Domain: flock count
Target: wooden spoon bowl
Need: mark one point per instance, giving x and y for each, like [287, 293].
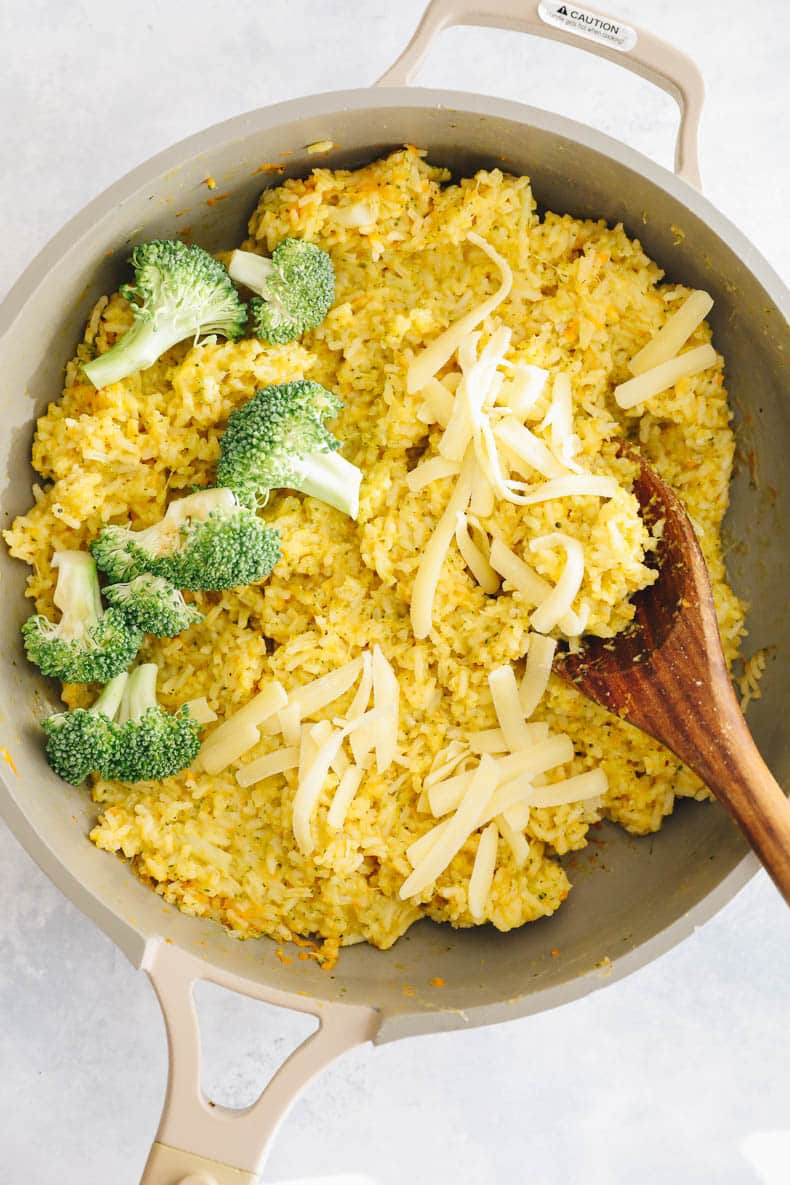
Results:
[666, 674]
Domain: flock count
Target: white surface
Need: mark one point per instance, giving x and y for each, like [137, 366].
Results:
[677, 1076]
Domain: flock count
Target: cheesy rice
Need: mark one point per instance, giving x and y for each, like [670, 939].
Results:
[585, 298]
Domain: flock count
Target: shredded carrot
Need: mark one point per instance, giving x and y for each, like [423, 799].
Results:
[268, 168]
[8, 759]
[438, 982]
[283, 957]
[210, 182]
[554, 952]
[212, 201]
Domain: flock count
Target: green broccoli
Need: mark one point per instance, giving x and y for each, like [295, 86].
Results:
[150, 743]
[296, 288]
[154, 605]
[88, 644]
[179, 291]
[81, 741]
[206, 540]
[278, 440]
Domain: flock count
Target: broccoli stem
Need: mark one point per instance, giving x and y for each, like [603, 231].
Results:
[138, 349]
[251, 270]
[332, 479]
[110, 699]
[140, 693]
[76, 593]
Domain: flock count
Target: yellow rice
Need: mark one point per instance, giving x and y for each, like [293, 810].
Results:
[584, 300]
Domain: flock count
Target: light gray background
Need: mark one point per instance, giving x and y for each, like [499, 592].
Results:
[678, 1076]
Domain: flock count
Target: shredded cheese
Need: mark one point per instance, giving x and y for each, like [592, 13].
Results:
[455, 835]
[674, 334]
[592, 784]
[260, 709]
[474, 558]
[507, 705]
[441, 349]
[517, 816]
[266, 767]
[312, 697]
[528, 448]
[483, 872]
[344, 796]
[521, 393]
[526, 581]
[290, 721]
[665, 375]
[433, 556]
[199, 710]
[540, 656]
[482, 501]
[218, 755]
[514, 839]
[313, 774]
[445, 762]
[541, 756]
[438, 403]
[579, 485]
[386, 698]
[429, 471]
[560, 419]
[359, 703]
[551, 610]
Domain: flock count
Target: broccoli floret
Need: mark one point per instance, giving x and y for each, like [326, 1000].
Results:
[206, 540]
[81, 741]
[179, 291]
[150, 743]
[278, 440]
[296, 288]
[154, 605]
[88, 644]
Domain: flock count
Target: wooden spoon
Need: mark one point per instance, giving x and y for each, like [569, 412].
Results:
[667, 675]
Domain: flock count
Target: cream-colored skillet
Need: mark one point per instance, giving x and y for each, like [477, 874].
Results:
[649, 895]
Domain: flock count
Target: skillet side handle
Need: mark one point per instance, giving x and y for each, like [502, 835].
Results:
[607, 36]
[199, 1143]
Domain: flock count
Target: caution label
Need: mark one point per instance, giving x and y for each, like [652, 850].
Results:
[591, 25]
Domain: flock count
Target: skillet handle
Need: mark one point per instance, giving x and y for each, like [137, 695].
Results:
[201, 1144]
[606, 36]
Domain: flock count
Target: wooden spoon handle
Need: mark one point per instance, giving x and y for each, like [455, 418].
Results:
[735, 772]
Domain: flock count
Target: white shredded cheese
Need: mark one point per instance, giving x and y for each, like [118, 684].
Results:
[514, 839]
[591, 784]
[517, 816]
[524, 766]
[386, 698]
[438, 403]
[199, 710]
[445, 761]
[455, 835]
[433, 556]
[344, 796]
[359, 703]
[523, 390]
[290, 720]
[312, 776]
[665, 375]
[674, 334]
[551, 610]
[507, 705]
[560, 419]
[429, 471]
[435, 355]
[266, 767]
[571, 486]
[314, 696]
[528, 448]
[483, 872]
[218, 755]
[482, 501]
[473, 557]
[260, 709]
[540, 656]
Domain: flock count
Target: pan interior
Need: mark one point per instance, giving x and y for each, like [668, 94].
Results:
[629, 890]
